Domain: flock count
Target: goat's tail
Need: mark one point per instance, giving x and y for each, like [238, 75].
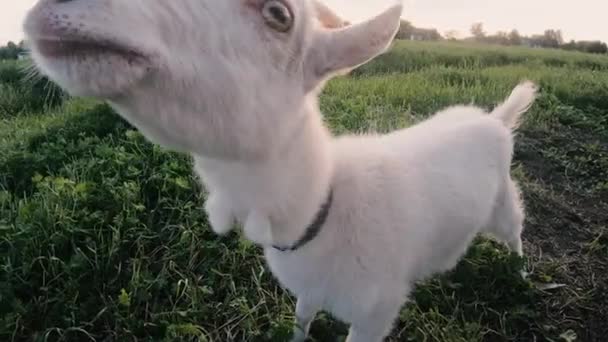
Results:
[520, 100]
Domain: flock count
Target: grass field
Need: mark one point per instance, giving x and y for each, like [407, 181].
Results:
[102, 235]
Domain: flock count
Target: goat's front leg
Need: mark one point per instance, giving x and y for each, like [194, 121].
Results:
[377, 323]
[258, 228]
[376, 331]
[220, 213]
[306, 311]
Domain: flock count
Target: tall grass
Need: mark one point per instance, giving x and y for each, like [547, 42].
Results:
[23, 90]
[411, 56]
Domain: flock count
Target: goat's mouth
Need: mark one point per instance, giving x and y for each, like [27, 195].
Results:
[67, 49]
[91, 67]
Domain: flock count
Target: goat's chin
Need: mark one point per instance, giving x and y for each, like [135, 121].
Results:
[104, 75]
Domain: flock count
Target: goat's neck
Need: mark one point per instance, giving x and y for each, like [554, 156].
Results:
[288, 187]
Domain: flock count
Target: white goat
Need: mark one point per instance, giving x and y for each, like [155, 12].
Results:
[348, 223]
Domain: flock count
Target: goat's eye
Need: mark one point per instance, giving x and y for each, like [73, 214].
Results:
[277, 15]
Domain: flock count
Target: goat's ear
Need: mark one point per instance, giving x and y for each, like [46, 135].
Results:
[328, 18]
[338, 50]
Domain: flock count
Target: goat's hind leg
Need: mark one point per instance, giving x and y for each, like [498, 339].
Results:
[508, 219]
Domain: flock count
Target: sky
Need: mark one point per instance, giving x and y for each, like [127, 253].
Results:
[581, 19]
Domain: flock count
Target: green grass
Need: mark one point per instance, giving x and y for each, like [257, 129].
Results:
[23, 91]
[103, 236]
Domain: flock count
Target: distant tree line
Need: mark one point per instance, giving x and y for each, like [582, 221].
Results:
[549, 39]
[586, 46]
[12, 50]
[407, 31]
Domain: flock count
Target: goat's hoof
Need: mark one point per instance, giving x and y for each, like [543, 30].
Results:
[298, 336]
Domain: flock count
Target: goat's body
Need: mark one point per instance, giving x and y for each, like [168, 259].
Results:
[406, 205]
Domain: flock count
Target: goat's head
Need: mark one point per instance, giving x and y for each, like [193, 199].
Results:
[222, 78]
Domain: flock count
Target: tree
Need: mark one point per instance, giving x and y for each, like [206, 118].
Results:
[451, 35]
[570, 46]
[553, 38]
[477, 31]
[500, 38]
[597, 47]
[10, 51]
[406, 29]
[430, 34]
[515, 38]
[590, 46]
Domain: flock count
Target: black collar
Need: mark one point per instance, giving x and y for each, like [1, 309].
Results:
[314, 228]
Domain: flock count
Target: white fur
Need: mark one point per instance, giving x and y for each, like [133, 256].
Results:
[327, 17]
[212, 79]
